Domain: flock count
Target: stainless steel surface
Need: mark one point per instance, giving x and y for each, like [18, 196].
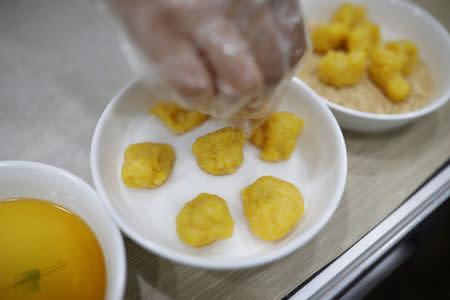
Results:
[355, 261]
[376, 276]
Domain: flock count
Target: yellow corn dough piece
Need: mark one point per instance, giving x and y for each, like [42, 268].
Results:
[220, 152]
[277, 136]
[350, 15]
[385, 70]
[272, 207]
[177, 118]
[342, 69]
[147, 165]
[204, 220]
[328, 36]
[364, 37]
[408, 50]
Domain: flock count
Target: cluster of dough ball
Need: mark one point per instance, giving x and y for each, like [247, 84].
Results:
[271, 205]
[389, 66]
[350, 30]
[334, 35]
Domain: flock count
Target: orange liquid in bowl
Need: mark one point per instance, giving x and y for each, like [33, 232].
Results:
[48, 252]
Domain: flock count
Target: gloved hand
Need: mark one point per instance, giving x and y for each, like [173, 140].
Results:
[221, 57]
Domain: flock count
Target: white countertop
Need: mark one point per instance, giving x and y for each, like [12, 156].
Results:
[60, 65]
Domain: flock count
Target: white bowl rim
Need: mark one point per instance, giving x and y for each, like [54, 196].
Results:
[118, 290]
[438, 27]
[185, 259]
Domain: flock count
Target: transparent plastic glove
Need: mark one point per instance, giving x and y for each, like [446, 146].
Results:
[226, 58]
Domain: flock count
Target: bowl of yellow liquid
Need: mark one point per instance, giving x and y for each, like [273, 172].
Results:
[56, 240]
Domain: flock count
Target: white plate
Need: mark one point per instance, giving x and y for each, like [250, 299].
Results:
[318, 167]
[397, 19]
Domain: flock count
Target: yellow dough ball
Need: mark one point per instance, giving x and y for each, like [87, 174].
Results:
[147, 165]
[272, 207]
[350, 15]
[364, 37]
[177, 118]
[220, 152]
[385, 70]
[204, 220]
[328, 36]
[277, 136]
[342, 69]
[409, 52]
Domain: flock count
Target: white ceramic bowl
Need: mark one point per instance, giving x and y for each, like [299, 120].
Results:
[317, 167]
[397, 19]
[36, 180]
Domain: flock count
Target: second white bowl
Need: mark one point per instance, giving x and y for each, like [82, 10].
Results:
[397, 19]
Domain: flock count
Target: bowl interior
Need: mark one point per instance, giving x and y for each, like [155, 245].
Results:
[35, 180]
[399, 19]
[317, 167]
